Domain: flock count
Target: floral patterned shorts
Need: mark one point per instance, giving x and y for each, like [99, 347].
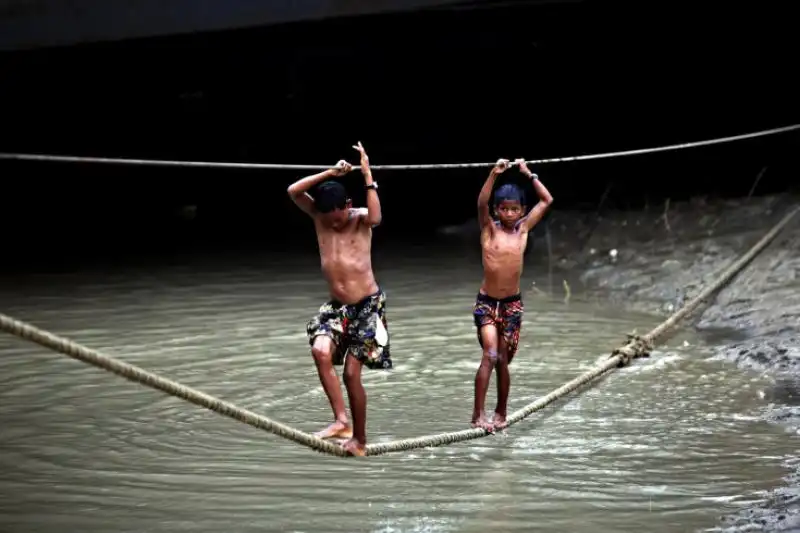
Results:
[359, 329]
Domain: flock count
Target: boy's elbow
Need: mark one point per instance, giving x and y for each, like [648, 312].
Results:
[294, 193]
[373, 217]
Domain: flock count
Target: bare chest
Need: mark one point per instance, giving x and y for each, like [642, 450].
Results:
[502, 244]
[350, 241]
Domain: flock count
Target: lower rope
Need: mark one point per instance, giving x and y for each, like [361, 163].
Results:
[134, 373]
[637, 346]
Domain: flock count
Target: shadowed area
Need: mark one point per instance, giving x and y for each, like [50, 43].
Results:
[446, 86]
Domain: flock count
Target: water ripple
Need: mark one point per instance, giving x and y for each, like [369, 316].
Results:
[83, 450]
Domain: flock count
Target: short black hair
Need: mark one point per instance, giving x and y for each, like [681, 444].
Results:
[330, 196]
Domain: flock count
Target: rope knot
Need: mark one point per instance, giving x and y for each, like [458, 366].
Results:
[636, 347]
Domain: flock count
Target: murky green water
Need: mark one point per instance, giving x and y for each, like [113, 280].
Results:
[666, 445]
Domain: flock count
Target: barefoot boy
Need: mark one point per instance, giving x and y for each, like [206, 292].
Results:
[498, 308]
[350, 329]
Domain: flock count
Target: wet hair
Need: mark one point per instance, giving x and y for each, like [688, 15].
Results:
[330, 196]
[509, 193]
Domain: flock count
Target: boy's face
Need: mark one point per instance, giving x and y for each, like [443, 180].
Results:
[509, 212]
[337, 218]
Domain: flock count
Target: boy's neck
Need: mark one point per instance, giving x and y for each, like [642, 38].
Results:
[509, 229]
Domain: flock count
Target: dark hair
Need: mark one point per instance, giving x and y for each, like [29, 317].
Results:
[509, 192]
[329, 196]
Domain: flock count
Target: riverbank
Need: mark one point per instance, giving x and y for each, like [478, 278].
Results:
[655, 259]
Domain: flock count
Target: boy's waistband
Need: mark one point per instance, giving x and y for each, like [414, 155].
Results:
[490, 300]
[361, 303]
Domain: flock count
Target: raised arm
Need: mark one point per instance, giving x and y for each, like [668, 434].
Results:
[373, 214]
[545, 198]
[298, 191]
[484, 217]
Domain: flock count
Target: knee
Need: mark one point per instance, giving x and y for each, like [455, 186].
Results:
[490, 356]
[504, 355]
[352, 374]
[321, 354]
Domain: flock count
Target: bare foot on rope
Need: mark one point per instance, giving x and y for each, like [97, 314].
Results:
[337, 430]
[481, 422]
[356, 448]
[499, 421]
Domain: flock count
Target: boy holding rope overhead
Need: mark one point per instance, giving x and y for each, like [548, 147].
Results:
[498, 309]
[350, 329]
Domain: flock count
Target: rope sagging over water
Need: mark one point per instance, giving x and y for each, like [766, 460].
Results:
[637, 346]
[173, 388]
[434, 166]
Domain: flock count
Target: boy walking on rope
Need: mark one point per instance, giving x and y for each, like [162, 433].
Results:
[350, 329]
[498, 308]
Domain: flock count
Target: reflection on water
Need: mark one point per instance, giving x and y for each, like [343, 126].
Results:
[665, 445]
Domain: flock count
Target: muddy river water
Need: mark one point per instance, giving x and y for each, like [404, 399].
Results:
[668, 444]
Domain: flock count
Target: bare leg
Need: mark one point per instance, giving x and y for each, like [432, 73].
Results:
[323, 350]
[503, 386]
[358, 405]
[489, 338]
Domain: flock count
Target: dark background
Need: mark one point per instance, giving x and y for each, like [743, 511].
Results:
[551, 80]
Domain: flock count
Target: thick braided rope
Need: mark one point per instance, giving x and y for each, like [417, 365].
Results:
[134, 373]
[726, 276]
[636, 347]
[434, 166]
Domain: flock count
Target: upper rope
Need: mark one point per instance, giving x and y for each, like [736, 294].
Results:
[436, 166]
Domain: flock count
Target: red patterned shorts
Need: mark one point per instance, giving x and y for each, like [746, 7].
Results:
[505, 314]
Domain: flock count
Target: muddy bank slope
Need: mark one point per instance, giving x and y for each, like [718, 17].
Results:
[655, 259]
